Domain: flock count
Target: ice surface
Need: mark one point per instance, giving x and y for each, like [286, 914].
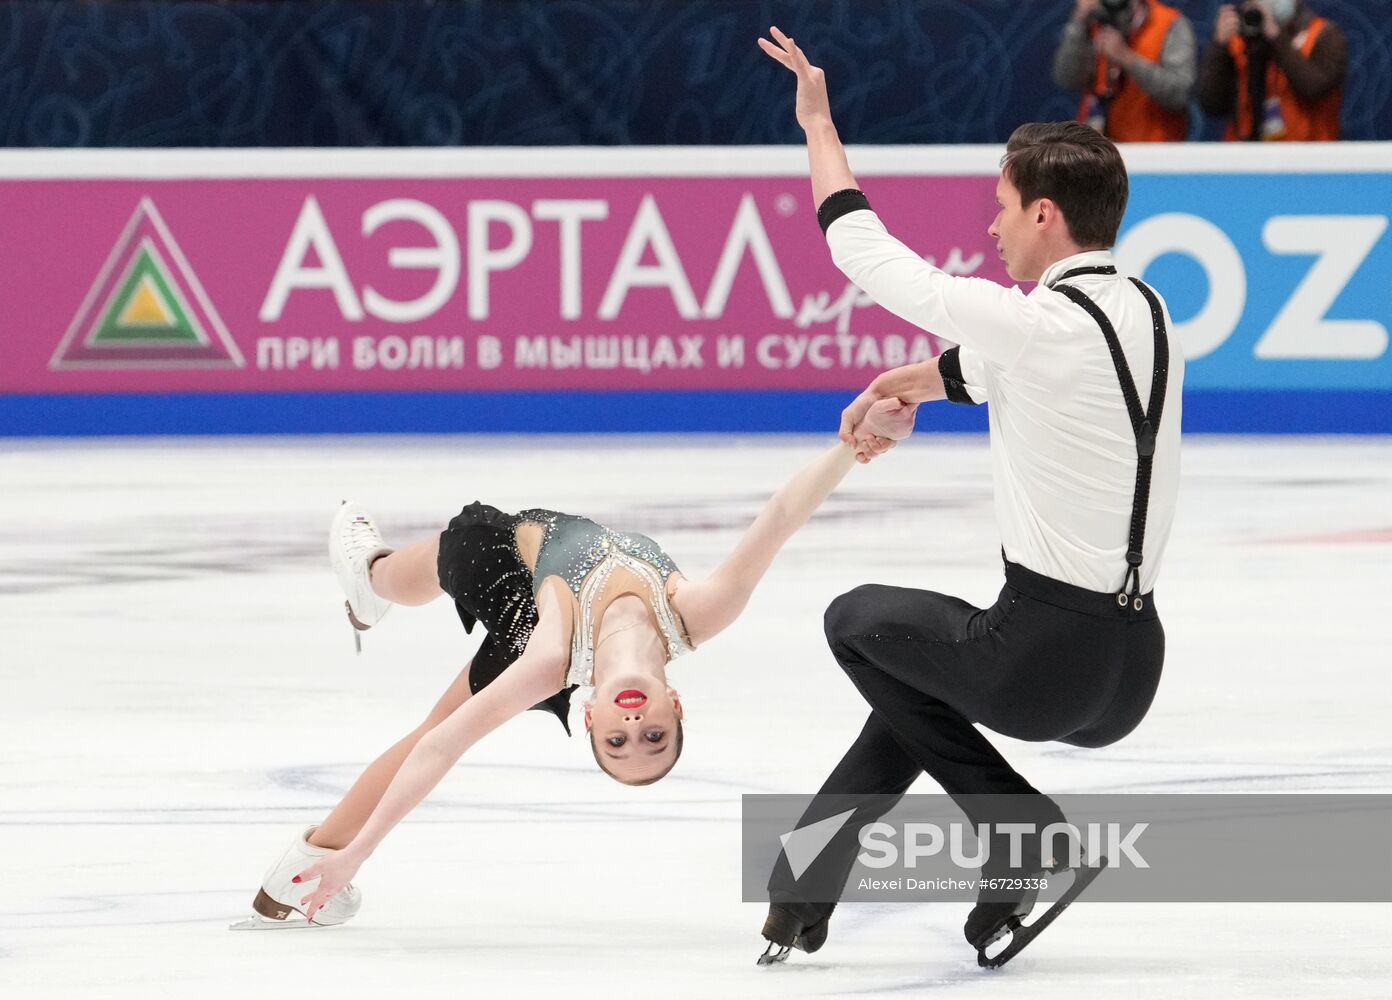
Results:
[179, 697]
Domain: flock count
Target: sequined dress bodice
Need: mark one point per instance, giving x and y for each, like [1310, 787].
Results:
[584, 554]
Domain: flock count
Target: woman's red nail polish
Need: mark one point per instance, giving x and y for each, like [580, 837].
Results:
[295, 879]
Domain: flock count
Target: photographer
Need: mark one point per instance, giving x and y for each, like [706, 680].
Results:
[1275, 71]
[1134, 61]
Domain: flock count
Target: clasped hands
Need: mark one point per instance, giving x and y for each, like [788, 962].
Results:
[873, 424]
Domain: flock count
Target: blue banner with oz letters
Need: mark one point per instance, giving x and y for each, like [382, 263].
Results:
[1280, 286]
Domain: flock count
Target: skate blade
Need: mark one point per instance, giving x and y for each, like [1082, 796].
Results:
[256, 922]
[1022, 934]
[358, 627]
[771, 957]
[270, 915]
[1006, 929]
[353, 619]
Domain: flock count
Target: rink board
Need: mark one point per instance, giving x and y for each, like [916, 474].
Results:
[274, 291]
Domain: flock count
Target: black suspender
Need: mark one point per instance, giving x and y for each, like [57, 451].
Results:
[1144, 423]
[1103, 269]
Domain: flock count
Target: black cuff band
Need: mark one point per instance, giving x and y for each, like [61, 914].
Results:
[950, 368]
[840, 203]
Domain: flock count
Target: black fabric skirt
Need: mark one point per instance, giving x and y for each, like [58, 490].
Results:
[480, 568]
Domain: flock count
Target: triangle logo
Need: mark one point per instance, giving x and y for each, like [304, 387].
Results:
[802, 846]
[146, 308]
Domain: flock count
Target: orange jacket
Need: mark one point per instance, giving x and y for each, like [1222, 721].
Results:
[1133, 115]
[1305, 121]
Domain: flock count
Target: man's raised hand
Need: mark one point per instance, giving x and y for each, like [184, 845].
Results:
[813, 108]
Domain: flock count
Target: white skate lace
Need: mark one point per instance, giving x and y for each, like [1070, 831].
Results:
[362, 537]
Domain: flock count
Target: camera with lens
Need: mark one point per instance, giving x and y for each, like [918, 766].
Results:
[1250, 21]
[1113, 13]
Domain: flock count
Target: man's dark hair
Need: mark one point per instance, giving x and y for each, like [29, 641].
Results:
[1075, 167]
[676, 756]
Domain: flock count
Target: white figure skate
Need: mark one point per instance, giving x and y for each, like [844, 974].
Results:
[279, 897]
[354, 542]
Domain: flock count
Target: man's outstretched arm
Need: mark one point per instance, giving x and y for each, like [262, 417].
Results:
[994, 320]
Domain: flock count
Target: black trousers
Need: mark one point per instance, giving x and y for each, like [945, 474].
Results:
[1048, 661]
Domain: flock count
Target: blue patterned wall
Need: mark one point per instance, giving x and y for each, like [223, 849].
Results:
[490, 72]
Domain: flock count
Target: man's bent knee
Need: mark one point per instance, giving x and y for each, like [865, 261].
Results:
[852, 614]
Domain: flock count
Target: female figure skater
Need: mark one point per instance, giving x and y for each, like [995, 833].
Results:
[567, 603]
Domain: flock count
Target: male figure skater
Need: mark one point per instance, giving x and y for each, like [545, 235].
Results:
[1083, 381]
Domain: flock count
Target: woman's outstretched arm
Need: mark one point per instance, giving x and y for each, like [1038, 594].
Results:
[708, 606]
[535, 676]
[348, 817]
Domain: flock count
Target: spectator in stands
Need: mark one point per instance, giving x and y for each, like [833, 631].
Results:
[1135, 62]
[1280, 57]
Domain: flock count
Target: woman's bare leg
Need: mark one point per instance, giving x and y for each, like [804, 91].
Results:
[409, 576]
[352, 812]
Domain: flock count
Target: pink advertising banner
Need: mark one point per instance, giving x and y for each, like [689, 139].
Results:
[471, 283]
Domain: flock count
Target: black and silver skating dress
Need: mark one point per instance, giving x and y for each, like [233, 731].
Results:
[482, 569]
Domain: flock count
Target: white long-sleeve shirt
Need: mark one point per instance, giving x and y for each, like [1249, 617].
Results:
[1063, 454]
